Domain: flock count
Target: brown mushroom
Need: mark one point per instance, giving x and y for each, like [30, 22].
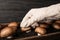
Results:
[43, 25]
[14, 24]
[25, 29]
[40, 30]
[6, 32]
[56, 25]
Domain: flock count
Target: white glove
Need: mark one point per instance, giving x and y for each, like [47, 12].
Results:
[38, 14]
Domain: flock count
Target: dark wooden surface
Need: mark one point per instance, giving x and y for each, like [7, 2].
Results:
[50, 36]
[14, 10]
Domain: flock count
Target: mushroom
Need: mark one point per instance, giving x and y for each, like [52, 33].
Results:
[40, 30]
[25, 29]
[15, 24]
[56, 25]
[6, 32]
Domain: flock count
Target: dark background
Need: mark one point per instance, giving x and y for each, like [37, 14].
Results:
[14, 10]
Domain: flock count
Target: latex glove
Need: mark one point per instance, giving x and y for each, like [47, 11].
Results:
[38, 14]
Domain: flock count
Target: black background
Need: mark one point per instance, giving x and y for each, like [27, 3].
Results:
[15, 10]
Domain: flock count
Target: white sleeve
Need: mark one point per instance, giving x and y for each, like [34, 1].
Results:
[53, 10]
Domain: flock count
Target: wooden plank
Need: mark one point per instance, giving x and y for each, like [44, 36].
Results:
[40, 37]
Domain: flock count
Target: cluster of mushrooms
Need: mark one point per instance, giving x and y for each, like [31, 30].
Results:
[11, 28]
[8, 29]
[41, 28]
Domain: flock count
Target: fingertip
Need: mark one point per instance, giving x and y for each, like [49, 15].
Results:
[21, 24]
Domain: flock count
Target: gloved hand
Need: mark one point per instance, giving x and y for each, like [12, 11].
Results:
[37, 14]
